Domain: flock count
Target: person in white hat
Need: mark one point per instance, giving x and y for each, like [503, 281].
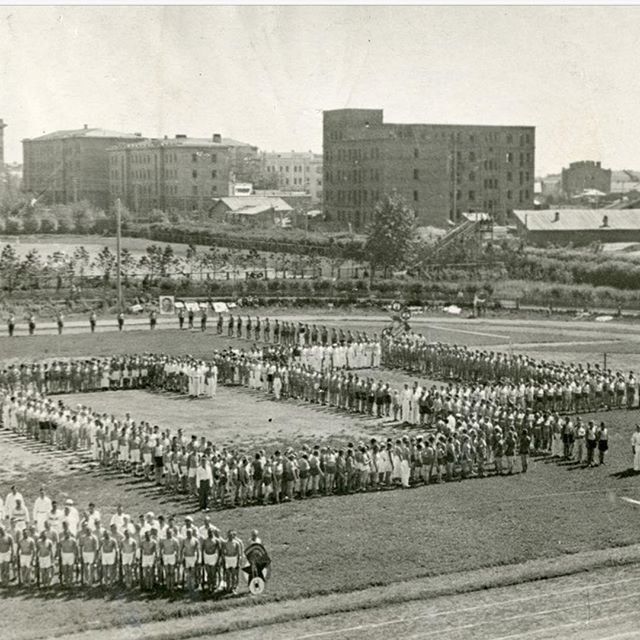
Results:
[635, 446]
[71, 516]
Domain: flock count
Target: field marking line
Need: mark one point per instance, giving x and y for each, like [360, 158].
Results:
[631, 500]
[489, 605]
[520, 616]
[473, 333]
[618, 636]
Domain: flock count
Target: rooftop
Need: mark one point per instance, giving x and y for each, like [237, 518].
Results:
[578, 219]
[86, 132]
[184, 141]
[250, 205]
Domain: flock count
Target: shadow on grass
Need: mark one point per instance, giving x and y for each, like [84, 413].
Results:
[626, 473]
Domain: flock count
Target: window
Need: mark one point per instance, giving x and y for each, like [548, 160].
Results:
[509, 176]
[472, 176]
[415, 196]
[509, 195]
[509, 138]
[214, 158]
[194, 157]
[194, 173]
[416, 174]
[472, 156]
[472, 196]
[416, 153]
[194, 189]
[214, 188]
[509, 157]
[214, 174]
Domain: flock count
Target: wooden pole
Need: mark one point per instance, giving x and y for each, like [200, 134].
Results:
[118, 252]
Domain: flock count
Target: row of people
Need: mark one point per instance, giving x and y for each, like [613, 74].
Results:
[73, 547]
[574, 386]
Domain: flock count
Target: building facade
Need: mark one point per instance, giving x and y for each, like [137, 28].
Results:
[295, 171]
[177, 174]
[69, 166]
[583, 175]
[441, 170]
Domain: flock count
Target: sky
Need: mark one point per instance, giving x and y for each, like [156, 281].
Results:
[264, 75]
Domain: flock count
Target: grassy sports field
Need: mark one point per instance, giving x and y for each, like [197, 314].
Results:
[339, 543]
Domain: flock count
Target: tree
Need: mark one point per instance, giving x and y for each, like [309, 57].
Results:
[31, 268]
[391, 237]
[127, 264]
[105, 261]
[82, 258]
[9, 267]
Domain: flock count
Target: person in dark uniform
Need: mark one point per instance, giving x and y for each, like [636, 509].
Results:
[181, 318]
[11, 325]
[219, 325]
[60, 322]
[153, 319]
[203, 320]
[191, 318]
[92, 321]
[32, 324]
[230, 326]
[120, 321]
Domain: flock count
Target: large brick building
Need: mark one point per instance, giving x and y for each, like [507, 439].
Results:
[178, 174]
[441, 170]
[295, 171]
[583, 175]
[69, 166]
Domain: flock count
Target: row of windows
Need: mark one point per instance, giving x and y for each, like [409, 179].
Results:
[353, 197]
[407, 131]
[356, 175]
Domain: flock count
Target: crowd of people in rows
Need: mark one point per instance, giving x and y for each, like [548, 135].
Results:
[53, 543]
[546, 385]
[463, 443]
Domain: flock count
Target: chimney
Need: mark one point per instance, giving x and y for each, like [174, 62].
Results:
[86, 127]
[605, 220]
[556, 217]
[216, 137]
[180, 136]
[137, 135]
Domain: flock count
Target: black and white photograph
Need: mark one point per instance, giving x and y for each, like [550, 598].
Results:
[319, 322]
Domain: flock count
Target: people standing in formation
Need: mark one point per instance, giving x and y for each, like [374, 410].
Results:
[461, 444]
[549, 386]
[52, 545]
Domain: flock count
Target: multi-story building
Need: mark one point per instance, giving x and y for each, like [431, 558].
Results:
[295, 171]
[584, 175]
[441, 170]
[177, 174]
[69, 166]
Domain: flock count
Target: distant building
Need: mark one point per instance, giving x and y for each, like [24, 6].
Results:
[2, 128]
[300, 200]
[440, 170]
[625, 181]
[176, 174]
[295, 171]
[252, 211]
[69, 166]
[578, 226]
[551, 187]
[585, 175]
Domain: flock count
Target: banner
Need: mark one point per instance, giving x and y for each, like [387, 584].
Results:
[166, 304]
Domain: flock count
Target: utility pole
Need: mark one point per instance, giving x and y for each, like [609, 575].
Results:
[118, 256]
[455, 180]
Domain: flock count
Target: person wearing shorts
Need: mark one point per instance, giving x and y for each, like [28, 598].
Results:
[148, 553]
[190, 553]
[108, 558]
[68, 552]
[44, 550]
[169, 550]
[88, 545]
[233, 550]
[128, 555]
[6, 556]
[210, 559]
[26, 556]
